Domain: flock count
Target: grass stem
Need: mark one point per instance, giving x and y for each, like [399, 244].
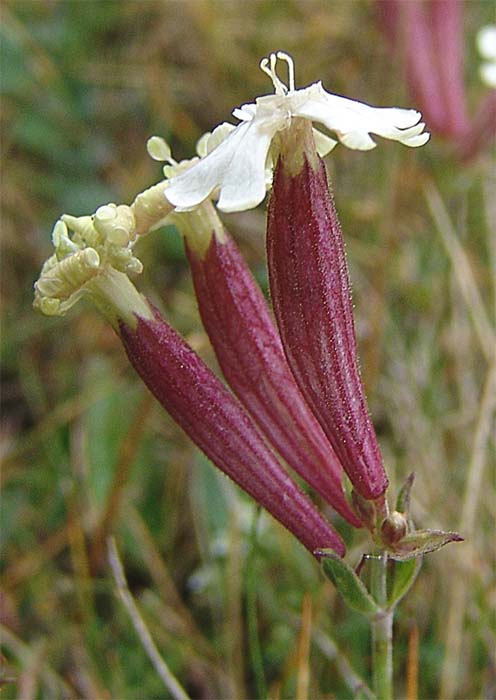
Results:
[170, 681]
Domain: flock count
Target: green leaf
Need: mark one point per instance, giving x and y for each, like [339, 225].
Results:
[348, 584]
[422, 542]
[403, 500]
[404, 575]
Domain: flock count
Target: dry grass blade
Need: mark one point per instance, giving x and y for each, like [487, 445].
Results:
[26, 657]
[412, 664]
[61, 415]
[165, 585]
[479, 453]
[122, 471]
[303, 677]
[453, 637]
[29, 678]
[463, 272]
[330, 650]
[170, 682]
[28, 564]
[234, 620]
[490, 209]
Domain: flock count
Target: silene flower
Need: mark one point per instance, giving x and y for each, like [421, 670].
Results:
[239, 166]
[275, 146]
[246, 340]
[297, 384]
[93, 259]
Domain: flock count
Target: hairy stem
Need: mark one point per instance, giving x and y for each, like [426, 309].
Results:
[382, 633]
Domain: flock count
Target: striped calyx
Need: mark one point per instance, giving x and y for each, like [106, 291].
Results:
[310, 291]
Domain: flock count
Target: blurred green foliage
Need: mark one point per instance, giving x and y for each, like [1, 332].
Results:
[84, 84]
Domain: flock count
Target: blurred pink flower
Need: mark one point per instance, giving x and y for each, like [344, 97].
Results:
[428, 34]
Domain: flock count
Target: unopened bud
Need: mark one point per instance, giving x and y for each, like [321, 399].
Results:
[394, 528]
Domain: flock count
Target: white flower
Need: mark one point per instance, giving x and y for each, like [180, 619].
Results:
[237, 165]
[486, 43]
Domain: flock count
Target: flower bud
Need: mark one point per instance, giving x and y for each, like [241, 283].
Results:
[394, 528]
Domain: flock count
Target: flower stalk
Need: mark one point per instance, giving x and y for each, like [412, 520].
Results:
[382, 631]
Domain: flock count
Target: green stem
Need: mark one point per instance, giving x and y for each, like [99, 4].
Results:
[251, 582]
[382, 632]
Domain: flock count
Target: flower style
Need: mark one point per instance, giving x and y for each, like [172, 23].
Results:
[238, 165]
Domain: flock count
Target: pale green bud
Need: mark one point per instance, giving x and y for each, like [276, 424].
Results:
[150, 208]
[61, 241]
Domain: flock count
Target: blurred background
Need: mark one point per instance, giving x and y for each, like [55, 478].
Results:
[235, 606]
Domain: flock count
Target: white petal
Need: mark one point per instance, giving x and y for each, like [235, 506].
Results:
[193, 186]
[209, 141]
[201, 144]
[236, 166]
[244, 184]
[357, 140]
[354, 121]
[323, 143]
[246, 112]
